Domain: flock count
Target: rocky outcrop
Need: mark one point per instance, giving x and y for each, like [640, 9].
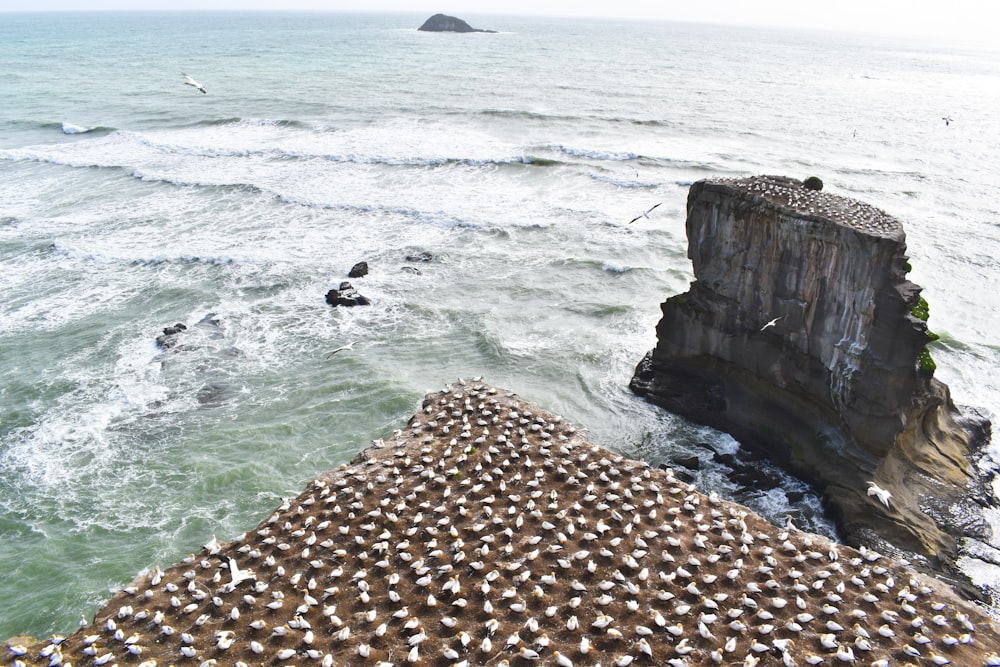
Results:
[359, 270]
[802, 337]
[168, 338]
[445, 23]
[346, 295]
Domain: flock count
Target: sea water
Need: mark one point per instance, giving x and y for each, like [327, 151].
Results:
[130, 202]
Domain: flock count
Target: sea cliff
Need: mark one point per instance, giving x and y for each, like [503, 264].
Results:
[802, 337]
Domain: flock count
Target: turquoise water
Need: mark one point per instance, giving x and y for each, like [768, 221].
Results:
[129, 202]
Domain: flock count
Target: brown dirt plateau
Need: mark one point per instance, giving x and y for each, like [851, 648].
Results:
[489, 532]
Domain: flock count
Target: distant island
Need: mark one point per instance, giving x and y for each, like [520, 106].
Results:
[445, 23]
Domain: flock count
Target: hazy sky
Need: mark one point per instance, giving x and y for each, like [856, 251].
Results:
[961, 20]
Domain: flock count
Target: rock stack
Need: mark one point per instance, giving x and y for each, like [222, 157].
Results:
[802, 337]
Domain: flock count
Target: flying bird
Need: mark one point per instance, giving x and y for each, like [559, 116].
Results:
[771, 323]
[188, 81]
[342, 348]
[947, 120]
[880, 493]
[644, 214]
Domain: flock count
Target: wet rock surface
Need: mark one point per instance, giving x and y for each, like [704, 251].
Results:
[346, 295]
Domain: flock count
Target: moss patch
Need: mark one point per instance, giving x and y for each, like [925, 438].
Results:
[922, 310]
[925, 363]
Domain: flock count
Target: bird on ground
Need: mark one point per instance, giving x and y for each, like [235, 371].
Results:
[342, 348]
[188, 81]
[771, 323]
[239, 576]
[644, 214]
[880, 493]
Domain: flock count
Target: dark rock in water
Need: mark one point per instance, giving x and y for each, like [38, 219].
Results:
[689, 462]
[725, 459]
[212, 394]
[795, 496]
[346, 295]
[445, 23]
[412, 269]
[708, 446]
[754, 479]
[359, 270]
[423, 256]
[168, 338]
[802, 337]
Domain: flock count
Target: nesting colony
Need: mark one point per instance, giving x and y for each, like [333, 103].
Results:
[488, 532]
[792, 196]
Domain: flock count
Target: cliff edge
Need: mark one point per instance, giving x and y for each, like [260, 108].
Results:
[802, 337]
[490, 532]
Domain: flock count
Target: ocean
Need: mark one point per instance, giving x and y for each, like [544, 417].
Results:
[513, 162]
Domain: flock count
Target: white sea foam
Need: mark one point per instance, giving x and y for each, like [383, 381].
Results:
[595, 154]
[70, 128]
[613, 267]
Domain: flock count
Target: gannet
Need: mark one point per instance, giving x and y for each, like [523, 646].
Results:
[880, 493]
[238, 575]
[771, 323]
[188, 81]
[644, 214]
[342, 348]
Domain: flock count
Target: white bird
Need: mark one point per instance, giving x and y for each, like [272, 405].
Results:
[771, 323]
[342, 348]
[880, 493]
[239, 576]
[562, 660]
[644, 214]
[528, 654]
[188, 81]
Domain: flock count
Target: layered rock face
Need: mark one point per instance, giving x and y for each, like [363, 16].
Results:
[838, 388]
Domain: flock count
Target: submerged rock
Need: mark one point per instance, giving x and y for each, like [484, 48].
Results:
[802, 337]
[445, 23]
[422, 256]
